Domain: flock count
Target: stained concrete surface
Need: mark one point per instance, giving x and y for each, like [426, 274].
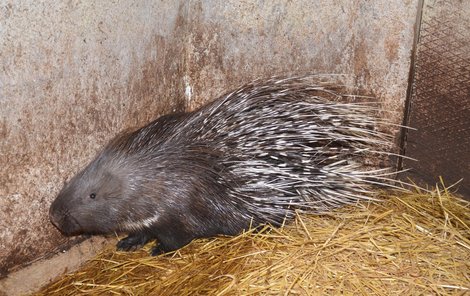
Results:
[75, 73]
[231, 42]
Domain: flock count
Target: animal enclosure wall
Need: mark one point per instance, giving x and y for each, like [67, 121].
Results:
[75, 73]
[439, 108]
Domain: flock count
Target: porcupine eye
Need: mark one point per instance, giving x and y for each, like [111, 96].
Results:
[93, 195]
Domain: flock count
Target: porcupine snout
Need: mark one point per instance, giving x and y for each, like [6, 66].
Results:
[60, 217]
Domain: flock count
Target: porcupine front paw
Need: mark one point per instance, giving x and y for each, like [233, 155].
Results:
[132, 242]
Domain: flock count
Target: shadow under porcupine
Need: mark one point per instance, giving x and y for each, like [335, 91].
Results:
[252, 156]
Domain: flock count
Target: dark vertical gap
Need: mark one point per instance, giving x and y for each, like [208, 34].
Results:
[409, 89]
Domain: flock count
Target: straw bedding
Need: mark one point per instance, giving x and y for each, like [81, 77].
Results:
[409, 244]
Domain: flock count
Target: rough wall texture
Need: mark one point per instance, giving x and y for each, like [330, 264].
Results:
[74, 73]
[231, 42]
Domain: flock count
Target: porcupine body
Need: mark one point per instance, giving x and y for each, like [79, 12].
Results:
[253, 156]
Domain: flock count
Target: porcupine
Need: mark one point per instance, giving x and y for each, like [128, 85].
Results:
[253, 156]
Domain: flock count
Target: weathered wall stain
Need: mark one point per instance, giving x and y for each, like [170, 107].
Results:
[75, 73]
[236, 41]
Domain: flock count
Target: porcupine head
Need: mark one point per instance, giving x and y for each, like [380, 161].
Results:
[95, 201]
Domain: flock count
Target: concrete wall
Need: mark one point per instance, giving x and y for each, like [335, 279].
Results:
[75, 73]
[235, 41]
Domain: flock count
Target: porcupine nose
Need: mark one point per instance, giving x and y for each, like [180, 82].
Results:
[55, 215]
